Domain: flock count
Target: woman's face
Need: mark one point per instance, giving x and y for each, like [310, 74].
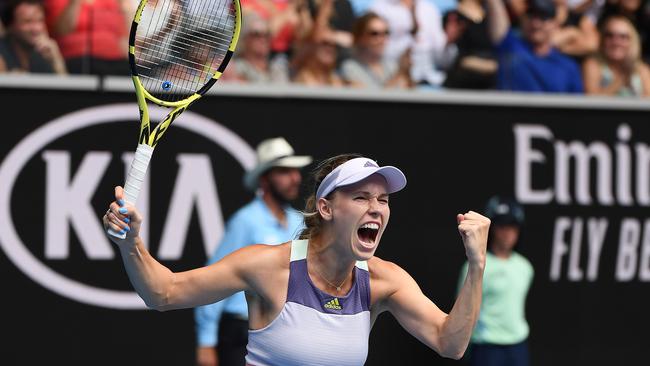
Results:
[374, 36]
[617, 38]
[258, 39]
[325, 50]
[359, 215]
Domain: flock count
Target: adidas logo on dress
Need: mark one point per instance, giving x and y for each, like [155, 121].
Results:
[333, 304]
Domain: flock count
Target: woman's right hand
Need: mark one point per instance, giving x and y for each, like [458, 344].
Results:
[122, 217]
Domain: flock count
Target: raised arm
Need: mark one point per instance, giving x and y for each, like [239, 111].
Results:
[498, 20]
[447, 334]
[159, 287]
[67, 20]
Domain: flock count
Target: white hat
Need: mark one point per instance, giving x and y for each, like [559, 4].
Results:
[271, 153]
[358, 169]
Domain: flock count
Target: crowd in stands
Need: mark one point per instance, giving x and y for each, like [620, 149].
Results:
[557, 46]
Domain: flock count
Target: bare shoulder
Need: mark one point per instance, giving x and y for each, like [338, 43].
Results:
[385, 278]
[381, 269]
[265, 256]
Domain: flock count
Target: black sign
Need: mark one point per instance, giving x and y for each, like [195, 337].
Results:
[582, 174]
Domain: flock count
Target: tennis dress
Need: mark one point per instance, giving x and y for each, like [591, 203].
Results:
[315, 328]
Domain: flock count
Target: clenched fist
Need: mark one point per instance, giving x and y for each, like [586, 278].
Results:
[474, 228]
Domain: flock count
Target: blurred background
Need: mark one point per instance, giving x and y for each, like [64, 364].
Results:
[543, 101]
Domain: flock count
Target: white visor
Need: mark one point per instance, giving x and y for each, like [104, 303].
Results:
[356, 170]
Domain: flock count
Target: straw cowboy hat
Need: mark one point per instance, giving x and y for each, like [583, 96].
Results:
[271, 153]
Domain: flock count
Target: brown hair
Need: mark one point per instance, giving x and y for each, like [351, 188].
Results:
[9, 12]
[313, 221]
[361, 24]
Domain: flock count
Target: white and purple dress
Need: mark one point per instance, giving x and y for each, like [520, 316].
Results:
[315, 328]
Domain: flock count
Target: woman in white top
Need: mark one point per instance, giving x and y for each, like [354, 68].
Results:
[331, 278]
[617, 69]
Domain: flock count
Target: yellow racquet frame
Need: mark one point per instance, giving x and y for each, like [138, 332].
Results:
[148, 138]
[152, 137]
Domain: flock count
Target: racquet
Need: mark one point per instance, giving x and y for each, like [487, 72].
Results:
[178, 49]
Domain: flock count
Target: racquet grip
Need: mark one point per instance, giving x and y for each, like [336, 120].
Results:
[135, 177]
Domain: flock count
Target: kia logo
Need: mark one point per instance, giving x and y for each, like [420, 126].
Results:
[78, 191]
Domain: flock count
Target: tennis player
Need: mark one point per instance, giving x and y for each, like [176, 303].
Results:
[313, 301]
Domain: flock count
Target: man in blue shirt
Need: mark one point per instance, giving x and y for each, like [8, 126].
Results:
[267, 219]
[529, 62]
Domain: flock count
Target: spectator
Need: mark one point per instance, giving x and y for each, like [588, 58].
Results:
[416, 26]
[316, 62]
[92, 34]
[617, 69]
[269, 218]
[531, 63]
[476, 64]
[501, 332]
[638, 12]
[367, 67]
[289, 21]
[254, 63]
[27, 46]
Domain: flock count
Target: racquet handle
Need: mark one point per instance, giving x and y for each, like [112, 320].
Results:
[134, 179]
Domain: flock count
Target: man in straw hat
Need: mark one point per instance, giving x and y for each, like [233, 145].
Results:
[268, 218]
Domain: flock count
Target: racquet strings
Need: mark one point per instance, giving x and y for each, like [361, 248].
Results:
[179, 45]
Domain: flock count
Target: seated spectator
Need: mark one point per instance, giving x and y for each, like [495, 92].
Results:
[531, 63]
[476, 64]
[367, 67]
[577, 34]
[618, 68]
[638, 12]
[27, 47]
[416, 25]
[289, 21]
[316, 65]
[92, 34]
[253, 62]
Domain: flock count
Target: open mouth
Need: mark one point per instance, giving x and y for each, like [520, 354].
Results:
[367, 233]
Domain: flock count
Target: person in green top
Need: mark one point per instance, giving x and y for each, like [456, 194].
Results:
[501, 333]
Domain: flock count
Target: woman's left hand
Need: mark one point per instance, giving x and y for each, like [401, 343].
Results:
[474, 228]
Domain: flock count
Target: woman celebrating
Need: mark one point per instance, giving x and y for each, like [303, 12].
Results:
[618, 68]
[313, 301]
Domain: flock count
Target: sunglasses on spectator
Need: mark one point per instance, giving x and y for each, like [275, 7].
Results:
[620, 35]
[376, 33]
